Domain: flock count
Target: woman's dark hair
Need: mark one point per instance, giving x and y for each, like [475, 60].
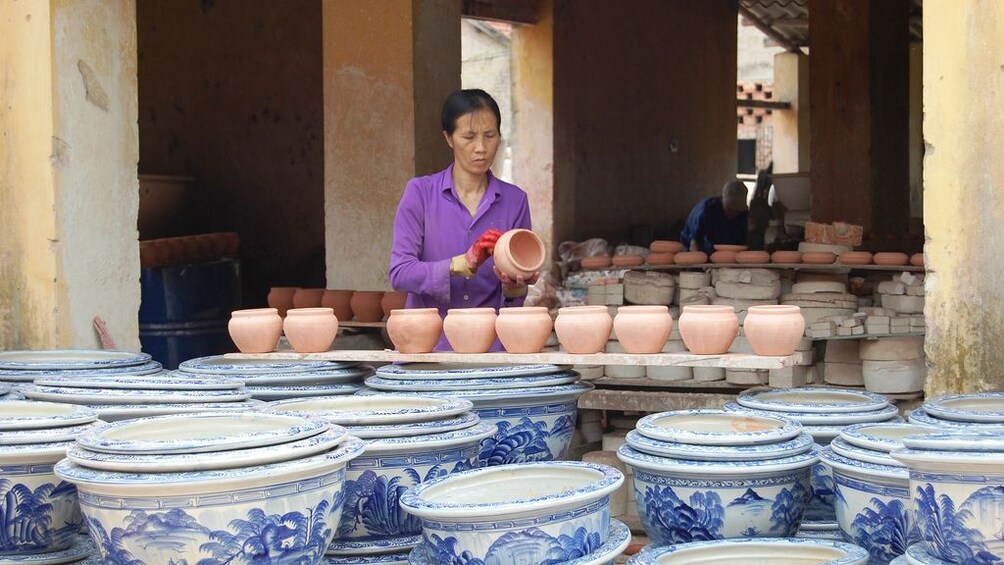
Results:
[464, 102]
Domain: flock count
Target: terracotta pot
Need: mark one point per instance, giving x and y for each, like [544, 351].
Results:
[818, 257]
[519, 253]
[643, 329]
[339, 301]
[414, 330]
[256, 330]
[855, 258]
[896, 259]
[523, 329]
[281, 298]
[392, 300]
[730, 247]
[917, 259]
[690, 258]
[596, 262]
[365, 305]
[774, 330]
[310, 330]
[627, 260]
[786, 257]
[308, 297]
[470, 330]
[583, 329]
[708, 330]
[660, 258]
[723, 257]
[664, 246]
[753, 257]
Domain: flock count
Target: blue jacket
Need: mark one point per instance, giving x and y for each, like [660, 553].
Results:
[708, 225]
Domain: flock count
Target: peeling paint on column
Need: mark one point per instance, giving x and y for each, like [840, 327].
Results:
[60, 157]
[94, 93]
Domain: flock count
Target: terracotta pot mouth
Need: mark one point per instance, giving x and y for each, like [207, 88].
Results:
[312, 311]
[523, 310]
[638, 309]
[253, 312]
[706, 308]
[470, 311]
[526, 251]
[412, 311]
[582, 309]
[775, 309]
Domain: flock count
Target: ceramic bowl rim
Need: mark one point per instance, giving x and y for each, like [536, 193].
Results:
[848, 466]
[857, 435]
[854, 553]
[736, 453]
[656, 464]
[444, 407]
[787, 429]
[937, 408]
[749, 398]
[49, 359]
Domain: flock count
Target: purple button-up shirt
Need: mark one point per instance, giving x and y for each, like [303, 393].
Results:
[432, 226]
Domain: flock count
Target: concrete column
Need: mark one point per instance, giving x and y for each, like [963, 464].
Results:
[963, 200]
[69, 194]
[388, 67]
[791, 127]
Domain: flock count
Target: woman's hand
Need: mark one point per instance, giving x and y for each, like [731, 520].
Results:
[467, 264]
[513, 288]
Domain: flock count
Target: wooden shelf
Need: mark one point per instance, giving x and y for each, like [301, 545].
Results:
[794, 266]
[654, 400]
[354, 324]
[868, 336]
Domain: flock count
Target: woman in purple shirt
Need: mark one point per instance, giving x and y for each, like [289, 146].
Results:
[447, 223]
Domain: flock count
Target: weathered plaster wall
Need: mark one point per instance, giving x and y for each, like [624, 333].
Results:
[963, 200]
[230, 93]
[791, 127]
[644, 112]
[69, 189]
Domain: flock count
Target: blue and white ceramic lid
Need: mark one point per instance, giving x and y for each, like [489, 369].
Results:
[382, 409]
[223, 366]
[920, 417]
[697, 452]
[917, 554]
[775, 551]
[883, 436]
[70, 359]
[309, 378]
[463, 371]
[448, 424]
[197, 433]
[116, 412]
[492, 493]
[34, 453]
[203, 461]
[272, 393]
[657, 464]
[30, 415]
[443, 440]
[718, 427]
[846, 465]
[841, 447]
[165, 380]
[482, 397]
[984, 408]
[397, 558]
[72, 395]
[45, 435]
[82, 552]
[420, 385]
[363, 549]
[811, 399]
[956, 441]
[825, 418]
[29, 375]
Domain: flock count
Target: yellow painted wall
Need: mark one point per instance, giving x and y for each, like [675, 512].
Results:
[964, 194]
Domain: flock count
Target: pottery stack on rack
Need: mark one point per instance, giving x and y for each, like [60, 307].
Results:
[409, 439]
[533, 407]
[18, 368]
[712, 474]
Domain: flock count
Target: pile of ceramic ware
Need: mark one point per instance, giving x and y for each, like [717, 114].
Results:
[269, 380]
[712, 474]
[211, 488]
[775, 551]
[823, 412]
[962, 412]
[409, 439]
[547, 512]
[533, 407]
[20, 368]
[39, 513]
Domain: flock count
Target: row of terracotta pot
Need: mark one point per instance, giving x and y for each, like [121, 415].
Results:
[169, 251]
[361, 305]
[308, 330]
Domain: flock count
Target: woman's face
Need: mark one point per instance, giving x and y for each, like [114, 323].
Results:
[474, 141]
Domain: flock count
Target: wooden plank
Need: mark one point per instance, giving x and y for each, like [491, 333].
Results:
[770, 104]
[867, 336]
[515, 11]
[689, 385]
[355, 324]
[728, 360]
[651, 400]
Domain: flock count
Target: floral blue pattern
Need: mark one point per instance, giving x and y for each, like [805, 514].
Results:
[944, 527]
[26, 516]
[526, 441]
[371, 502]
[528, 546]
[885, 530]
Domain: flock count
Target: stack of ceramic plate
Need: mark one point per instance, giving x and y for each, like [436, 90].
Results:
[269, 380]
[823, 412]
[410, 439]
[18, 368]
[963, 412]
[211, 488]
[712, 474]
[40, 513]
[532, 406]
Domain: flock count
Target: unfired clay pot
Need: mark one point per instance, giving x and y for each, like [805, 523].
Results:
[470, 330]
[708, 330]
[855, 258]
[583, 329]
[627, 260]
[891, 259]
[643, 329]
[339, 301]
[774, 329]
[392, 300]
[519, 253]
[664, 246]
[723, 257]
[917, 259]
[818, 257]
[414, 330]
[310, 330]
[365, 305]
[596, 262]
[786, 257]
[730, 247]
[753, 257]
[255, 330]
[281, 298]
[690, 258]
[308, 297]
[523, 329]
[660, 258]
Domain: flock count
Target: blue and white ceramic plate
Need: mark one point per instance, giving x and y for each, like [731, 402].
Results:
[776, 551]
[444, 440]
[116, 412]
[28, 415]
[483, 396]
[917, 554]
[73, 395]
[825, 418]
[179, 462]
[309, 378]
[819, 526]
[831, 535]
[378, 547]
[636, 458]
[458, 422]
[507, 383]
[148, 368]
[386, 559]
[160, 381]
[382, 409]
[25, 437]
[812, 399]
[81, 549]
[850, 451]
[970, 440]
[198, 433]
[984, 408]
[44, 453]
[271, 393]
[883, 437]
[70, 359]
[409, 371]
[799, 444]
[717, 427]
[855, 467]
[220, 365]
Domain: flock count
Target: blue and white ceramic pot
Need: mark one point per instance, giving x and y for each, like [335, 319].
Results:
[546, 512]
[772, 551]
[681, 500]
